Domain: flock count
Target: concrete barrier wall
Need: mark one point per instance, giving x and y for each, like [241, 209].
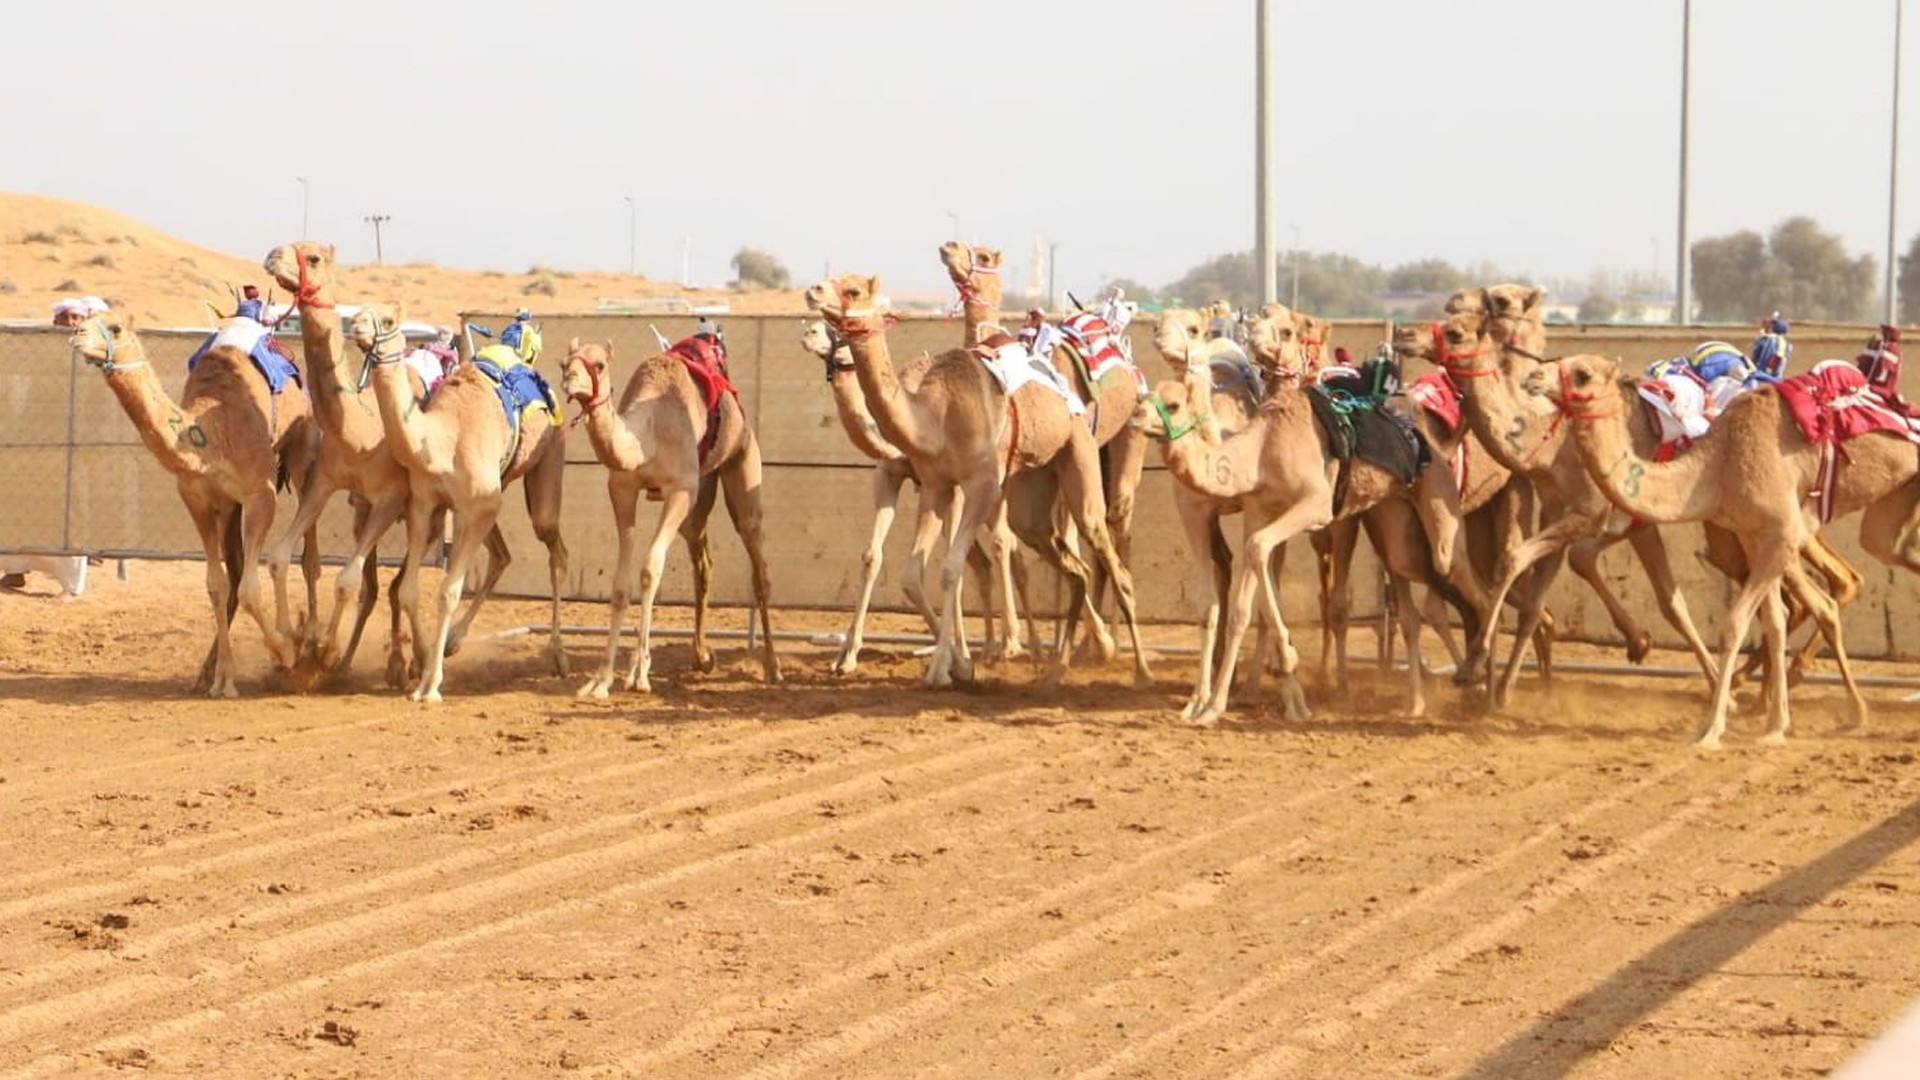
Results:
[63, 423]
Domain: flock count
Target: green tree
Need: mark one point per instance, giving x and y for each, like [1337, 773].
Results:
[755, 269]
[1426, 276]
[1599, 307]
[1909, 283]
[1799, 270]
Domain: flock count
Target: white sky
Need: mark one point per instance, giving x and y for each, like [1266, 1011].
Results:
[1540, 134]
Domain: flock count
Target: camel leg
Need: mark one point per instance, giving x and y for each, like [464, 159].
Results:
[1293, 700]
[1010, 578]
[1122, 461]
[256, 520]
[499, 557]
[212, 526]
[1086, 502]
[314, 493]
[424, 521]
[310, 571]
[1652, 550]
[357, 578]
[1825, 612]
[1843, 585]
[1773, 626]
[964, 510]
[1436, 502]
[1335, 546]
[677, 504]
[926, 533]
[478, 528]
[699, 543]
[1887, 529]
[1765, 569]
[1434, 611]
[624, 491]
[1261, 538]
[887, 482]
[1514, 564]
[741, 484]
[542, 487]
[1202, 530]
[369, 589]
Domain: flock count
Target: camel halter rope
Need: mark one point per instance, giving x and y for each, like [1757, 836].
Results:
[107, 363]
[835, 342]
[1570, 398]
[307, 295]
[595, 397]
[1456, 370]
[969, 292]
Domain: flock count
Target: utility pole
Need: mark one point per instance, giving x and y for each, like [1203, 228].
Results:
[1683, 273]
[956, 225]
[686, 262]
[1893, 181]
[1053, 265]
[303, 206]
[633, 234]
[1266, 152]
[376, 220]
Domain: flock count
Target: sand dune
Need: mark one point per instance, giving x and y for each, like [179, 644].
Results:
[51, 248]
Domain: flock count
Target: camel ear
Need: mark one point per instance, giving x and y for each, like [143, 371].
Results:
[609, 350]
[1534, 296]
[329, 252]
[573, 344]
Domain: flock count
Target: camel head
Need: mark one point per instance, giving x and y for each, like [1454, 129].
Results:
[1274, 338]
[374, 325]
[1460, 344]
[1169, 412]
[975, 271]
[1175, 335]
[107, 341]
[826, 343]
[583, 377]
[851, 304]
[304, 269]
[1583, 387]
[1514, 313]
[1415, 341]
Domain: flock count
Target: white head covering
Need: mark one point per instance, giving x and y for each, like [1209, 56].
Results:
[94, 305]
[70, 305]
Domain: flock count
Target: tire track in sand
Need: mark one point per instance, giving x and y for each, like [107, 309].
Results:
[1052, 953]
[341, 934]
[1287, 970]
[155, 875]
[1286, 1059]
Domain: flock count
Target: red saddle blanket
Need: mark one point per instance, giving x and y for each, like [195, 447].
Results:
[707, 363]
[1436, 393]
[1833, 404]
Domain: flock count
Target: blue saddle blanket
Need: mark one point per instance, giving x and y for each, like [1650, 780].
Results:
[520, 387]
[257, 342]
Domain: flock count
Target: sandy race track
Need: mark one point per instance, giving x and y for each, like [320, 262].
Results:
[859, 876]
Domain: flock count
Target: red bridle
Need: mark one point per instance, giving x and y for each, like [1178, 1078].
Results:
[1569, 398]
[858, 327]
[594, 397]
[308, 295]
[1449, 360]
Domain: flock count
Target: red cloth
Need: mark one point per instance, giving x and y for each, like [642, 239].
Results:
[1436, 393]
[1834, 403]
[1092, 338]
[707, 364]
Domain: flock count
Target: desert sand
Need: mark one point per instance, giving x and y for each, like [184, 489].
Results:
[862, 877]
[54, 248]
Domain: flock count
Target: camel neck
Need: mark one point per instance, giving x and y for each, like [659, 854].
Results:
[856, 420]
[174, 435]
[1658, 492]
[1516, 436]
[980, 309]
[409, 431]
[1226, 470]
[618, 446]
[886, 399]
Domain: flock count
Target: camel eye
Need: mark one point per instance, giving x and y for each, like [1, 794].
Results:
[313, 260]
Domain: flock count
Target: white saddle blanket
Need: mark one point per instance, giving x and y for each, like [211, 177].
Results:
[427, 366]
[239, 333]
[1014, 367]
[1679, 402]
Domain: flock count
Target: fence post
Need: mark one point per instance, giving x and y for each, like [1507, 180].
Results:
[73, 432]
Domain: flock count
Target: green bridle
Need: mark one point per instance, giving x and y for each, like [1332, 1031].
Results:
[1171, 431]
[106, 363]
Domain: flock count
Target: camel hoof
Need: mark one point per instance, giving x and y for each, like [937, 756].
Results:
[1774, 738]
[1639, 647]
[1417, 708]
[844, 666]
[1293, 704]
[1207, 718]
[773, 675]
[1708, 742]
[1098, 648]
[396, 671]
[703, 661]
[1143, 679]
[595, 688]
[557, 660]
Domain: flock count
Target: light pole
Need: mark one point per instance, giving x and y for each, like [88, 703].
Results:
[686, 262]
[1295, 303]
[303, 206]
[1266, 151]
[1053, 267]
[376, 220]
[633, 234]
[1683, 273]
[1893, 177]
